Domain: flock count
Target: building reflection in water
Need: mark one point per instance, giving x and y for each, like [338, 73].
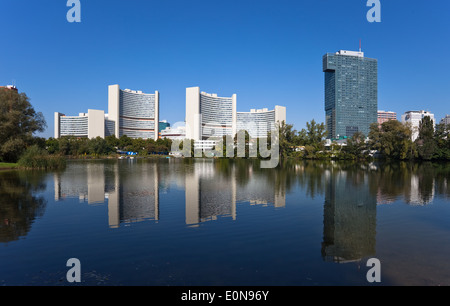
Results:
[213, 189]
[132, 190]
[211, 194]
[349, 216]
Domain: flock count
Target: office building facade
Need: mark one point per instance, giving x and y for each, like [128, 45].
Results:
[446, 120]
[208, 115]
[259, 122]
[85, 125]
[414, 118]
[351, 93]
[384, 116]
[136, 114]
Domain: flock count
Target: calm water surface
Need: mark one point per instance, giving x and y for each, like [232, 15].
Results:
[221, 222]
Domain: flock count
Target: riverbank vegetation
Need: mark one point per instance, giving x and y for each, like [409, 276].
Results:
[108, 147]
[391, 140]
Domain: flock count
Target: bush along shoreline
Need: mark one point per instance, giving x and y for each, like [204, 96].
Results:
[38, 158]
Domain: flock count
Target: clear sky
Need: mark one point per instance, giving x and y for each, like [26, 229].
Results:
[267, 52]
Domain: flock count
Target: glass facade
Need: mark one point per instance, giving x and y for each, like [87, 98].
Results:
[257, 124]
[76, 126]
[351, 93]
[137, 114]
[217, 115]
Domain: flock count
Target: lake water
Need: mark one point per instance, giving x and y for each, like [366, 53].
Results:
[226, 222]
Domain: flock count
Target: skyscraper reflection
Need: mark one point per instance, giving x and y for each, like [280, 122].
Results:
[349, 232]
[132, 189]
[212, 193]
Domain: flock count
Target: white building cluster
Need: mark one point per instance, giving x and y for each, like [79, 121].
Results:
[136, 114]
[131, 113]
[210, 117]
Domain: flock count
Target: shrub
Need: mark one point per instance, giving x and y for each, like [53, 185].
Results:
[38, 158]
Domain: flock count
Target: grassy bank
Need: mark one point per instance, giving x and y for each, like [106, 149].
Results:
[4, 166]
[37, 158]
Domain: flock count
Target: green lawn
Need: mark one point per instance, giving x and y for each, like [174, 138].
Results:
[8, 165]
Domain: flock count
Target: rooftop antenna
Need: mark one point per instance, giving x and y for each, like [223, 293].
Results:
[359, 45]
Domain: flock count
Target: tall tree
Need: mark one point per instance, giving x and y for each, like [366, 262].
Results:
[426, 144]
[18, 122]
[392, 139]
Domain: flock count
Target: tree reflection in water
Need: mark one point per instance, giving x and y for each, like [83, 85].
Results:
[19, 206]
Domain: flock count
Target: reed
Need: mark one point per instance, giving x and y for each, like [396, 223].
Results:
[38, 158]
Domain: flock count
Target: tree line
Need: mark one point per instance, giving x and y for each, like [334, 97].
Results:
[110, 145]
[392, 139]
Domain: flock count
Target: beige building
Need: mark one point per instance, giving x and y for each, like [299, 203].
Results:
[89, 125]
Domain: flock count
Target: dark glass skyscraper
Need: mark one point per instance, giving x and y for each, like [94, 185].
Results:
[351, 93]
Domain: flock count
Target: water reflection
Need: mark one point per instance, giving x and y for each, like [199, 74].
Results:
[349, 225]
[132, 191]
[214, 188]
[19, 204]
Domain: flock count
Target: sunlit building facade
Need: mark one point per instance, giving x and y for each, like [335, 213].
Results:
[85, 125]
[351, 93]
[259, 122]
[136, 114]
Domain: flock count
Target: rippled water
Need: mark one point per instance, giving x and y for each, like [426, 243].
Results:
[225, 222]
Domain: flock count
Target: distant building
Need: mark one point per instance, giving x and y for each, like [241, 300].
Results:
[174, 132]
[9, 87]
[446, 120]
[163, 124]
[351, 93]
[384, 116]
[208, 115]
[258, 122]
[136, 114]
[414, 118]
[90, 125]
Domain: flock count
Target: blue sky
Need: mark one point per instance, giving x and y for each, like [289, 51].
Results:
[267, 52]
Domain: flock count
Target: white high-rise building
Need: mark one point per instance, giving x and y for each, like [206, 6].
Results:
[446, 120]
[258, 122]
[209, 116]
[90, 124]
[136, 114]
[414, 118]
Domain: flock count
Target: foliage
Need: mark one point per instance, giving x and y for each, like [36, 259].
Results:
[426, 143]
[38, 158]
[18, 122]
[102, 147]
[392, 140]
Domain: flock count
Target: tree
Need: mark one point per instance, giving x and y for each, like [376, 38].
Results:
[98, 146]
[286, 138]
[442, 140]
[18, 122]
[392, 139]
[356, 145]
[426, 144]
[316, 134]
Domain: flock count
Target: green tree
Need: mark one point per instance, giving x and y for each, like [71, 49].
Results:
[356, 145]
[442, 140]
[286, 139]
[426, 144]
[392, 140]
[18, 122]
[98, 146]
[52, 145]
[316, 134]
